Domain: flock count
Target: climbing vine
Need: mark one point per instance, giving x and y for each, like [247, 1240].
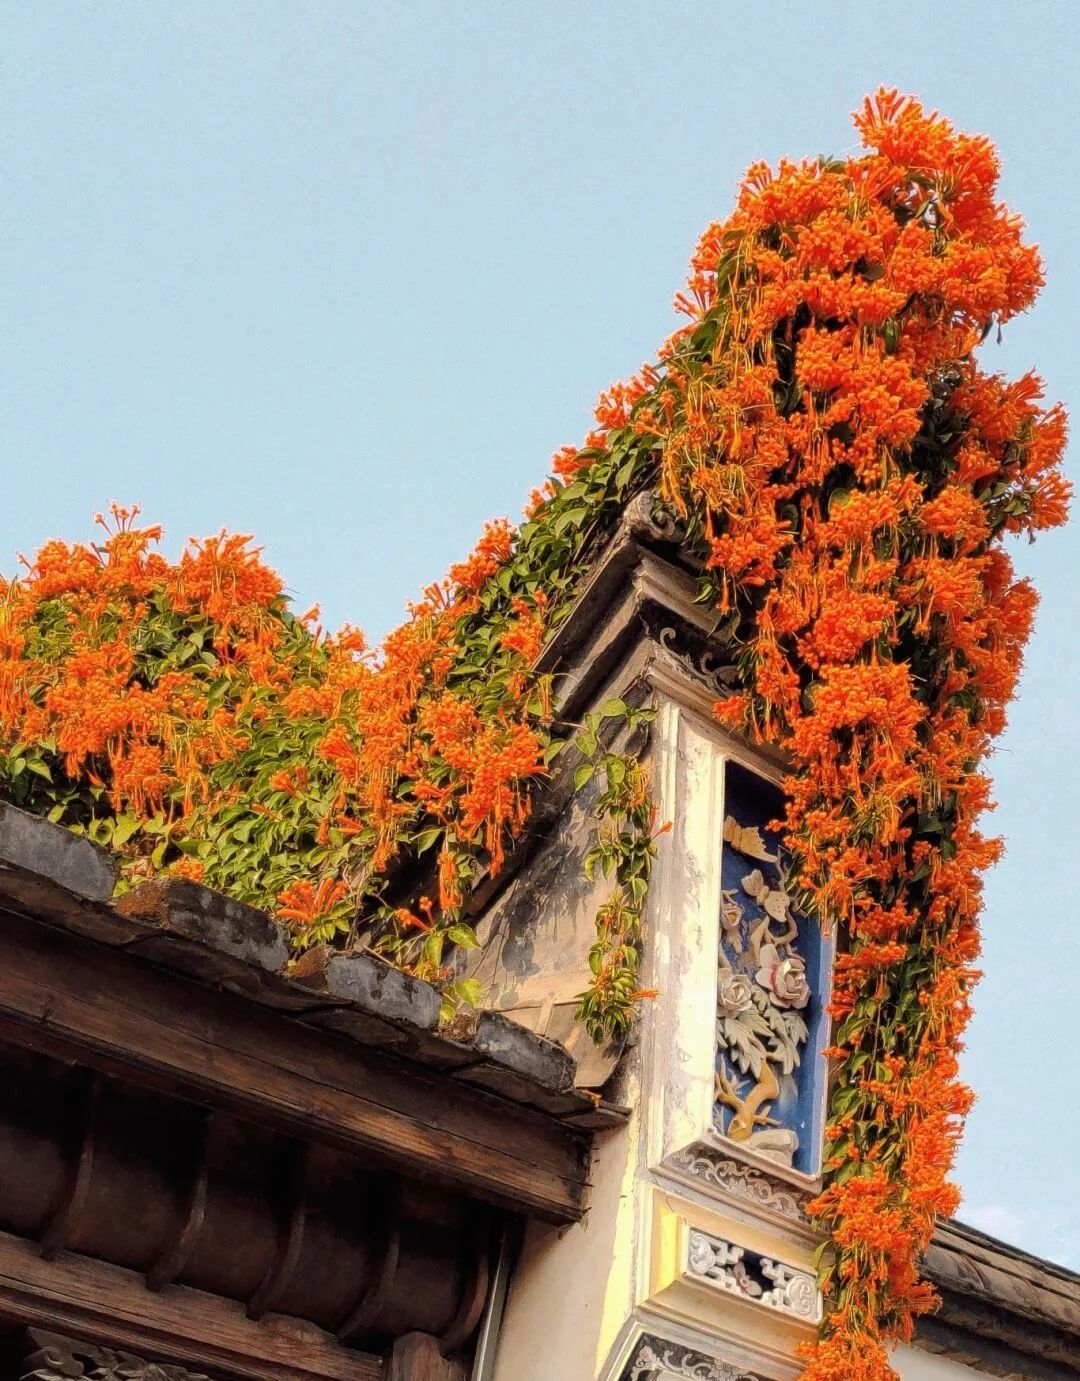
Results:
[845, 472]
[852, 471]
[623, 852]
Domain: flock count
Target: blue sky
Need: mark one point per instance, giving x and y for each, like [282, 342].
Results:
[344, 275]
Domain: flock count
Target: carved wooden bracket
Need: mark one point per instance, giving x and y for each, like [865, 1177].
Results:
[50, 1357]
[416, 1357]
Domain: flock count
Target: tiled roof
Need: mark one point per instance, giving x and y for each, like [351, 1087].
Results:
[179, 925]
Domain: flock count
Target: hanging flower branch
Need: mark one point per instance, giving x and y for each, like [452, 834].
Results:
[845, 471]
[852, 471]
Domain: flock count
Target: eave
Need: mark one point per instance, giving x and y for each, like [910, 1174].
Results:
[165, 1081]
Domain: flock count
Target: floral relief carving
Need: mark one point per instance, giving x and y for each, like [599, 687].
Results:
[762, 993]
[794, 1292]
[747, 840]
[734, 993]
[783, 976]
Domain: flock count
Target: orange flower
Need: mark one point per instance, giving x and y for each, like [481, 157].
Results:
[305, 905]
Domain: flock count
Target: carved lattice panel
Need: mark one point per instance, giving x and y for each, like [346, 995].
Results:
[772, 980]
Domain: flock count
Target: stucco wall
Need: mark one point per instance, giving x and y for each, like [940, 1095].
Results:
[914, 1365]
[573, 1289]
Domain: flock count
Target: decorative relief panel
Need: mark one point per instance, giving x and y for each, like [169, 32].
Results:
[50, 1357]
[771, 980]
[718, 1171]
[656, 1360]
[738, 1271]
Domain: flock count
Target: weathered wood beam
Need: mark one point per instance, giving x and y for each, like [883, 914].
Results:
[416, 1357]
[92, 1300]
[75, 999]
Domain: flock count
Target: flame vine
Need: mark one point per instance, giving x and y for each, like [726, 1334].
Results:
[847, 473]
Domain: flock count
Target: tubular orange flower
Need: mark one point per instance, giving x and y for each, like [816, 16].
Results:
[305, 905]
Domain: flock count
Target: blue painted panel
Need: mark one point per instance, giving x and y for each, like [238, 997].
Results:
[774, 970]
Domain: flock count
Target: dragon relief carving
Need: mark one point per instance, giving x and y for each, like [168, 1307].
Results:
[761, 993]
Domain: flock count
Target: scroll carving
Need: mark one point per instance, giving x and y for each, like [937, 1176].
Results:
[647, 517]
[718, 673]
[656, 1360]
[718, 1171]
[749, 1275]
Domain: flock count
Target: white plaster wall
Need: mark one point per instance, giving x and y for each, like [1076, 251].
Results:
[914, 1365]
[573, 1288]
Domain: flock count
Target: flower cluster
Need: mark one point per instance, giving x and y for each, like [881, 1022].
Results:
[823, 423]
[179, 713]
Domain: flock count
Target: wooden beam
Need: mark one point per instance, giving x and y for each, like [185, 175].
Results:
[78, 1000]
[105, 1304]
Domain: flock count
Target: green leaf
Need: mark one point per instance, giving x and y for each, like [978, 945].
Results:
[463, 936]
[468, 990]
[126, 826]
[583, 774]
